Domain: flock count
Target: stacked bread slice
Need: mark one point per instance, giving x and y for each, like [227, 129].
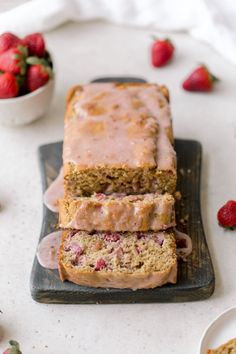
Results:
[119, 177]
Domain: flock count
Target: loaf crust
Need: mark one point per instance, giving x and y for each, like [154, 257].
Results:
[125, 140]
[147, 270]
[117, 212]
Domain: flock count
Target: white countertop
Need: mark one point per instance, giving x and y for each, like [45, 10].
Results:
[81, 53]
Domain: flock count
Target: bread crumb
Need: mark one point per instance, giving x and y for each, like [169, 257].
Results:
[186, 217]
[178, 195]
[182, 172]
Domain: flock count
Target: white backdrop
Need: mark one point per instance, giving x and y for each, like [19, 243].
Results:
[212, 21]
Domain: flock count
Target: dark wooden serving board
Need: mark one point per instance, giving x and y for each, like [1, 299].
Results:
[196, 279]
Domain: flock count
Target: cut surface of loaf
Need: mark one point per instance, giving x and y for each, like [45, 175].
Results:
[118, 260]
[118, 212]
[118, 139]
[227, 348]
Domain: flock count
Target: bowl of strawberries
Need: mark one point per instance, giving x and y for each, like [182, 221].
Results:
[26, 78]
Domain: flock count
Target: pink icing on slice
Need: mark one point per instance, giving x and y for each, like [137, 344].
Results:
[159, 238]
[184, 245]
[47, 250]
[54, 192]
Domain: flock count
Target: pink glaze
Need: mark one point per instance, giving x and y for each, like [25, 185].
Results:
[159, 238]
[125, 213]
[185, 243]
[117, 126]
[54, 192]
[165, 151]
[47, 251]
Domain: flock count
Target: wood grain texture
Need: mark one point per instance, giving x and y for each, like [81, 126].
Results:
[196, 279]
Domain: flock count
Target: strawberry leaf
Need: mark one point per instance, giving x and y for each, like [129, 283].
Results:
[20, 80]
[15, 348]
[36, 60]
[154, 38]
[22, 64]
[214, 78]
[168, 40]
[14, 343]
[17, 56]
[23, 50]
[48, 70]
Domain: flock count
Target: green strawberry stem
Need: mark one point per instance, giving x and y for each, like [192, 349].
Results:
[14, 343]
[40, 61]
[15, 348]
[153, 37]
[168, 40]
[23, 50]
[214, 78]
[20, 80]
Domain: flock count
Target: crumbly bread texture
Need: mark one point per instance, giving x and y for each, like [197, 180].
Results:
[118, 260]
[227, 348]
[118, 139]
[118, 212]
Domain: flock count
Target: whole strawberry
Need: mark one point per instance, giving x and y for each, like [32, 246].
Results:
[35, 44]
[162, 52]
[200, 80]
[9, 86]
[227, 214]
[15, 348]
[8, 40]
[37, 76]
[13, 60]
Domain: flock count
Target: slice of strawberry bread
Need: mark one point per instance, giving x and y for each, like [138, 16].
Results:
[226, 348]
[118, 260]
[118, 212]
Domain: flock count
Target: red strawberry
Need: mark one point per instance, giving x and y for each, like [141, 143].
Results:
[35, 44]
[227, 214]
[37, 76]
[7, 41]
[15, 348]
[162, 52]
[100, 264]
[200, 80]
[13, 60]
[111, 237]
[9, 86]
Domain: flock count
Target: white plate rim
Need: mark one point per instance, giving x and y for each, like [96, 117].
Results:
[222, 314]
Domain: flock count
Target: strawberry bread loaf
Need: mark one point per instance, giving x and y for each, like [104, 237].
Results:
[118, 260]
[118, 139]
[118, 212]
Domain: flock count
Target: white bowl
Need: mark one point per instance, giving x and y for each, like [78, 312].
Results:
[27, 108]
[222, 329]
